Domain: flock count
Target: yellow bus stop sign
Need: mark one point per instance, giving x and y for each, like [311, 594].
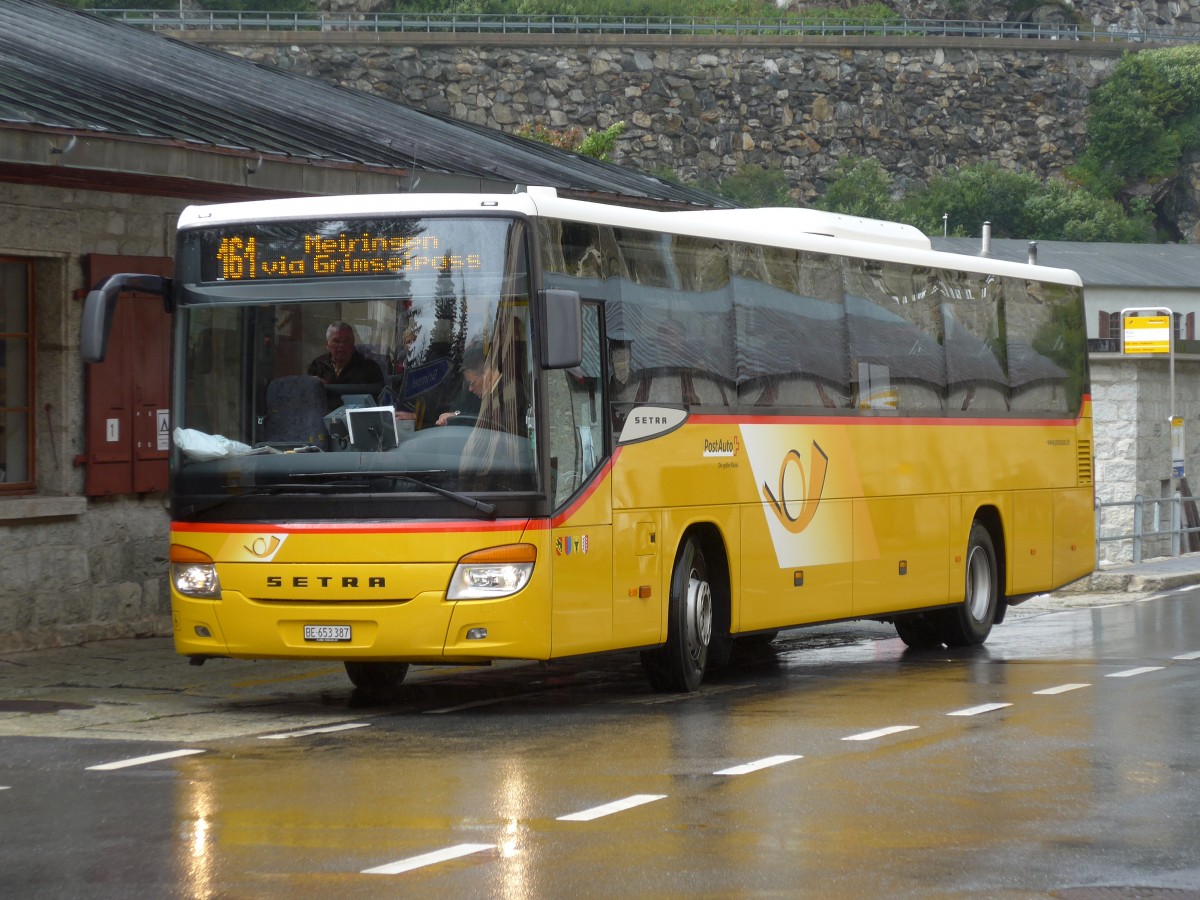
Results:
[1147, 334]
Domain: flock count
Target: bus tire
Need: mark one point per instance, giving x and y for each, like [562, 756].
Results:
[376, 677]
[918, 632]
[970, 623]
[679, 664]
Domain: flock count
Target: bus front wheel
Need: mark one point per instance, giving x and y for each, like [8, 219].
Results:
[969, 623]
[376, 677]
[679, 664]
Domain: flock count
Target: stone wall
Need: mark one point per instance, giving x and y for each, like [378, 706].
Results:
[1132, 441]
[703, 112]
[75, 569]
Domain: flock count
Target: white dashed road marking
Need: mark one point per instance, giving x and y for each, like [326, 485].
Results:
[979, 710]
[472, 705]
[882, 732]
[1195, 654]
[309, 731]
[597, 812]
[428, 859]
[747, 768]
[1062, 689]
[141, 760]
[1129, 673]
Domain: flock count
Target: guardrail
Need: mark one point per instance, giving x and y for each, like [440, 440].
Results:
[1176, 530]
[426, 23]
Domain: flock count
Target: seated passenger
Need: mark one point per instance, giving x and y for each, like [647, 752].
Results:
[343, 364]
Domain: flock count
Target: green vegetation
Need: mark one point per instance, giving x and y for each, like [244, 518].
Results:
[725, 10]
[1019, 205]
[860, 187]
[596, 144]
[205, 5]
[752, 186]
[700, 9]
[1143, 119]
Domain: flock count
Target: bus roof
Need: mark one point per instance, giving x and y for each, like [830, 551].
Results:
[801, 229]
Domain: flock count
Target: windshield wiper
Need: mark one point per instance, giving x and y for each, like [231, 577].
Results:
[362, 479]
[361, 484]
[262, 490]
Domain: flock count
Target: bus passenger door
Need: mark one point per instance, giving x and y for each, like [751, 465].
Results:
[581, 531]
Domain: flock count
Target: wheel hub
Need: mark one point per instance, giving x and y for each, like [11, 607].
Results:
[979, 583]
[699, 616]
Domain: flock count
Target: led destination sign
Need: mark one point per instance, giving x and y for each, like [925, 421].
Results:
[273, 251]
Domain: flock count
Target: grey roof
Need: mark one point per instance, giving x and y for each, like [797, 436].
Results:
[65, 69]
[1099, 264]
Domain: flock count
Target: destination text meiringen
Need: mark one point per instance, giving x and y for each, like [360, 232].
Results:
[241, 258]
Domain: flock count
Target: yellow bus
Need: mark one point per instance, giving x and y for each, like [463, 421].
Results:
[434, 428]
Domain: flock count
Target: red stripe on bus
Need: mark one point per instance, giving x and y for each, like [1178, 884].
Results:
[892, 421]
[597, 480]
[456, 525]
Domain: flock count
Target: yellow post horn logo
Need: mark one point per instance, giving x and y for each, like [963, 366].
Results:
[811, 486]
[264, 547]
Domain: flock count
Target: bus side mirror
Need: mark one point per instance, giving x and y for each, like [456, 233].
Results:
[101, 302]
[561, 316]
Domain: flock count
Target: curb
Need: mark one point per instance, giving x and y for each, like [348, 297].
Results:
[1120, 582]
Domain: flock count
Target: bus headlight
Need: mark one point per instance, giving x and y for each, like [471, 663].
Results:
[495, 572]
[194, 574]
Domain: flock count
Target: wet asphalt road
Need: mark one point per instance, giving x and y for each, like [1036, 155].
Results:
[1061, 758]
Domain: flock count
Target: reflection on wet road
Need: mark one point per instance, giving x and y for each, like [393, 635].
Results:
[1064, 753]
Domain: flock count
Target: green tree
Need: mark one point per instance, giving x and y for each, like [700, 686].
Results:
[1064, 212]
[752, 185]
[859, 187]
[1142, 119]
[970, 197]
[1018, 205]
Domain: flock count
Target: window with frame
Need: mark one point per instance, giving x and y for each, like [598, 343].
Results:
[16, 374]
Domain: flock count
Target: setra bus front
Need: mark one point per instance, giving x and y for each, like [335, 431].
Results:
[357, 466]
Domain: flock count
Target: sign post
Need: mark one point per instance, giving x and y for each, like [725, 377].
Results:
[1152, 331]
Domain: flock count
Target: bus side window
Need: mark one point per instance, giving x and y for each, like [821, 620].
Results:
[576, 403]
[1046, 369]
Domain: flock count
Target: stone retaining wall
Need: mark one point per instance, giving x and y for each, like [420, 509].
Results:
[705, 111]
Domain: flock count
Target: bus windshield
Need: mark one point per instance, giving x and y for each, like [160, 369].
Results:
[357, 354]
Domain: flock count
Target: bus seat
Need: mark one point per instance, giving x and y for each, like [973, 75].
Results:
[296, 410]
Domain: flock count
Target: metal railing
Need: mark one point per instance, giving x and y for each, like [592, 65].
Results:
[1175, 530]
[684, 26]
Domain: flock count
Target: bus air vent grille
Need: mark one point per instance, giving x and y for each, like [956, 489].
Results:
[1084, 462]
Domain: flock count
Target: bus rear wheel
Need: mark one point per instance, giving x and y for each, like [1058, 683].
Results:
[970, 623]
[376, 677]
[679, 664]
